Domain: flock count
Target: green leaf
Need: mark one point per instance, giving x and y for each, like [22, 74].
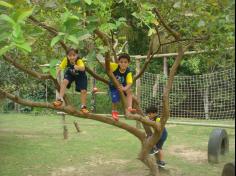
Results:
[8, 19]
[84, 37]
[24, 14]
[6, 4]
[25, 46]
[73, 39]
[89, 2]
[4, 49]
[53, 63]
[45, 69]
[74, 1]
[17, 32]
[56, 40]
[3, 36]
[53, 72]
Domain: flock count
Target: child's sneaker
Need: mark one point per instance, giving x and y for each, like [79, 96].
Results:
[131, 110]
[161, 164]
[84, 110]
[114, 115]
[58, 103]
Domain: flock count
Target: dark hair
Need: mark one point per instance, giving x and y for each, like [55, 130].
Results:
[72, 49]
[124, 56]
[151, 109]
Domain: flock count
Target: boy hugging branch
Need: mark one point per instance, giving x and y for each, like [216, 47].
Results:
[152, 114]
[74, 69]
[123, 74]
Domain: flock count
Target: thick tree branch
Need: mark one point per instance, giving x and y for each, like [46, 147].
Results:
[74, 112]
[166, 107]
[116, 83]
[96, 76]
[34, 73]
[26, 70]
[114, 46]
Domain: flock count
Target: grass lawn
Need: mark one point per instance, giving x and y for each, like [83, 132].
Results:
[34, 146]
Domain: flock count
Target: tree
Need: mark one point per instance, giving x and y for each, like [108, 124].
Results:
[93, 27]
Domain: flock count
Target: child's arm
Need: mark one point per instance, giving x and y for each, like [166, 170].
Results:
[129, 80]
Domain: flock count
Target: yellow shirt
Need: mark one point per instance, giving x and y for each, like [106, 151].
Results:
[129, 77]
[64, 63]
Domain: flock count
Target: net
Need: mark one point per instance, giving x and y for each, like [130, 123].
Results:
[208, 96]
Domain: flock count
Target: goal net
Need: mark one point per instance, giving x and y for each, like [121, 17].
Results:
[208, 96]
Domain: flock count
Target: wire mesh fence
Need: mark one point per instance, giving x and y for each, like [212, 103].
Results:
[208, 96]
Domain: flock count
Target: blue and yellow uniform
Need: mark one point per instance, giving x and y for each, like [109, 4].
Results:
[124, 78]
[71, 75]
[164, 135]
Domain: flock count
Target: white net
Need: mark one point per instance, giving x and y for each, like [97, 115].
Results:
[208, 96]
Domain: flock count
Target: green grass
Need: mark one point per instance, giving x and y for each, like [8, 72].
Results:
[34, 146]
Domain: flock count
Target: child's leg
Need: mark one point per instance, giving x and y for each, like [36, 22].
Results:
[81, 86]
[129, 98]
[59, 100]
[114, 106]
[64, 84]
[129, 101]
[161, 155]
[83, 97]
[115, 96]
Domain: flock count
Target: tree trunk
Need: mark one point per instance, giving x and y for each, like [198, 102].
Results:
[138, 88]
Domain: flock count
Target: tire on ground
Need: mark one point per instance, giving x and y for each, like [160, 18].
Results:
[229, 169]
[218, 144]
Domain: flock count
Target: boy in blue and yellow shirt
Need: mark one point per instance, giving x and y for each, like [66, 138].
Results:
[152, 114]
[123, 74]
[74, 69]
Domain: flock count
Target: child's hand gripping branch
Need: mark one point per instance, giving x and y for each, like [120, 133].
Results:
[74, 71]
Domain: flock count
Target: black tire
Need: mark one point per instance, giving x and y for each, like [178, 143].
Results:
[229, 169]
[218, 144]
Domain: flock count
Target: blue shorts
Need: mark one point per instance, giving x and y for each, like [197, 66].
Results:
[80, 79]
[162, 140]
[115, 95]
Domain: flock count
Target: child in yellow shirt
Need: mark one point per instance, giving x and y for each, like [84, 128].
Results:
[123, 74]
[74, 70]
[157, 150]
